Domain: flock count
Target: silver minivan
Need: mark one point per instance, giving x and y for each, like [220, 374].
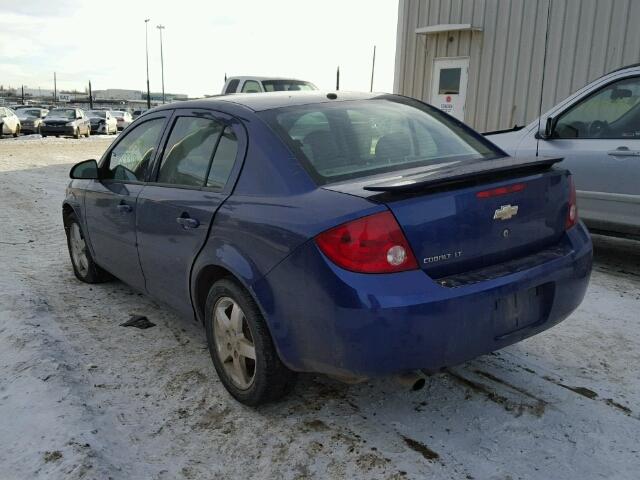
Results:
[597, 131]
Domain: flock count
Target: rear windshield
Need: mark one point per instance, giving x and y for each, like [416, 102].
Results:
[98, 113]
[287, 85]
[353, 139]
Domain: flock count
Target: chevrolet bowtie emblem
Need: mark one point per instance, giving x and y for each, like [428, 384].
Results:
[505, 212]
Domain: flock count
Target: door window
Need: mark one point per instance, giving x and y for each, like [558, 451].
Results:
[612, 112]
[189, 151]
[449, 81]
[130, 158]
[251, 86]
[223, 160]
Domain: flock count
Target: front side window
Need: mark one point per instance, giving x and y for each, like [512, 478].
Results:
[353, 139]
[251, 86]
[189, 151]
[612, 112]
[130, 158]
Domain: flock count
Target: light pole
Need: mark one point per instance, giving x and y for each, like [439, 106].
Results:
[146, 44]
[160, 28]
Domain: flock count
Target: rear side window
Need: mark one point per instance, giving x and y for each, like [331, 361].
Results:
[223, 160]
[352, 139]
[130, 158]
[232, 86]
[189, 151]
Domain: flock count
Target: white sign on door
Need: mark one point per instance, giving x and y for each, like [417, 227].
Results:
[449, 85]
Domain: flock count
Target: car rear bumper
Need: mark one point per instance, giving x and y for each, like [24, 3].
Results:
[347, 324]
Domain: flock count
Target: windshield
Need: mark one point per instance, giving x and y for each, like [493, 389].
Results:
[286, 85]
[29, 113]
[97, 113]
[62, 113]
[353, 139]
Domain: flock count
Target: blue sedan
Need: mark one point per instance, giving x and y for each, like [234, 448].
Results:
[354, 235]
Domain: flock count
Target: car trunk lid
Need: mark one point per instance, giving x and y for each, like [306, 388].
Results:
[458, 219]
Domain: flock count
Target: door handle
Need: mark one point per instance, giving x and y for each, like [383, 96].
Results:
[623, 152]
[125, 208]
[187, 222]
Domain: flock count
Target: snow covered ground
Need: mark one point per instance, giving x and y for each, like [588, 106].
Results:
[82, 397]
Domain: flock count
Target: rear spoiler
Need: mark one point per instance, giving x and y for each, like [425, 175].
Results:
[478, 171]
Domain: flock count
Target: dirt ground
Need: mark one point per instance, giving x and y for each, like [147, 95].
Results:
[82, 397]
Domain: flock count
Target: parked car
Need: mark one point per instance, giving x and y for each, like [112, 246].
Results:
[66, 121]
[123, 118]
[31, 119]
[597, 131]
[9, 122]
[353, 235]
[102, 121]
[265, 84]
[137, 113]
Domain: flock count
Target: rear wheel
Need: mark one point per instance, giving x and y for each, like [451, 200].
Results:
[17, 132]
[241, 346]
[84, 268]
[88, 132]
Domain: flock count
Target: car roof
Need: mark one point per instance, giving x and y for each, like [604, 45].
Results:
[259, 78]
[267, 101]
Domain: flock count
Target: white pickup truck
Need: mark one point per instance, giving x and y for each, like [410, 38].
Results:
[265, 84]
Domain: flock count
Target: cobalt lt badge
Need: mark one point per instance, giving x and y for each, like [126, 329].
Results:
[505, 212]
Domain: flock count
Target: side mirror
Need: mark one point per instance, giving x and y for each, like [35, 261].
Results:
[546, 133]
[87, 170]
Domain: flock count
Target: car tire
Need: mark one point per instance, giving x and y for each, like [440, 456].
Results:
[17, 132]
[39, 130]
[76, 133]
[250, 381]
[84, 268]
[88, 132]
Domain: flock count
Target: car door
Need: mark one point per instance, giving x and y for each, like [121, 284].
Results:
[599, 137]
[193, 176]
[110, 203]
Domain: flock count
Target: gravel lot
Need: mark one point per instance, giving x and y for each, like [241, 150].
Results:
[81, 397]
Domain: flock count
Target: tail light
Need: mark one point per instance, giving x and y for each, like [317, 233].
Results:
[497, 192]
[372, 244]
[572, 210]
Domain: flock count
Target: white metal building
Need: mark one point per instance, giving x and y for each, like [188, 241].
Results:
[482, 60]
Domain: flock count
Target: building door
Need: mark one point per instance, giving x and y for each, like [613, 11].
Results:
[449, 85]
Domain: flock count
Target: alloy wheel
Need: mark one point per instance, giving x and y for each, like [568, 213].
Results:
[78, 250]
[234, 343]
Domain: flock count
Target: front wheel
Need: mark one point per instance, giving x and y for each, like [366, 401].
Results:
[84, 268]
[241, 346]
[76, 133]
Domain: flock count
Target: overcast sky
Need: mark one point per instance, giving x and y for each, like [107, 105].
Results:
[104, 42]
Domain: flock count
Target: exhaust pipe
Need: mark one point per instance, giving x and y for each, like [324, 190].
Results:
[414, 380]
